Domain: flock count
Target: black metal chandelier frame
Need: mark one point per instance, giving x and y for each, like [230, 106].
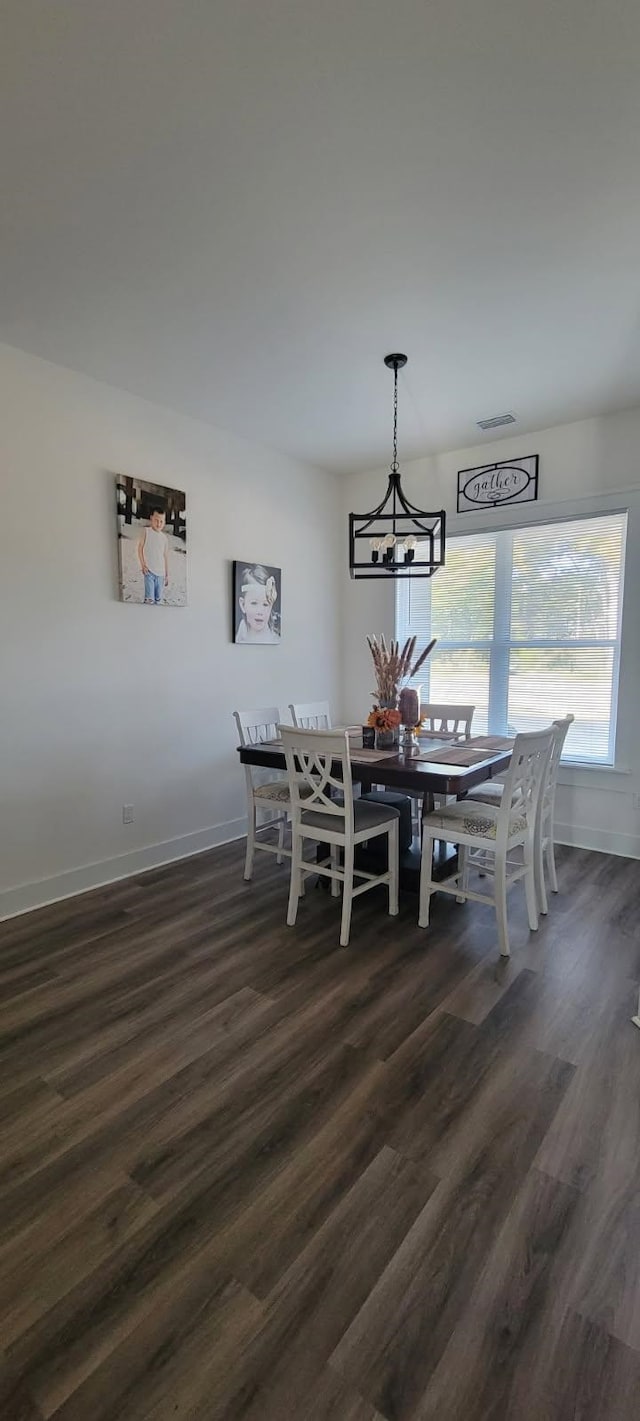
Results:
[396, 526]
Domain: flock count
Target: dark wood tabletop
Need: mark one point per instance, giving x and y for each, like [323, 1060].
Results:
[400, 771]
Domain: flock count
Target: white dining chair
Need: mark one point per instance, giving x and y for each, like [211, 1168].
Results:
[491, 793]
[311, 715]
[443, 722]
[546, 832]
[496, 830]
[319, 766]
[263, 797]
[452, 722]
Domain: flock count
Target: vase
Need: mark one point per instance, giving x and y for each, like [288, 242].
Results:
[409, 707]
[395, 733]
[409, 743]
[385, 739]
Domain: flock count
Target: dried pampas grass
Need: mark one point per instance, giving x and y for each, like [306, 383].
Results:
[394, 667]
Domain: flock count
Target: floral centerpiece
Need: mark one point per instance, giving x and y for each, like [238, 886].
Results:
[393, 668]
[385, 721]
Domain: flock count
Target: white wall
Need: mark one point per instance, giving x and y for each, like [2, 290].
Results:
[103, 703]
[584, 467]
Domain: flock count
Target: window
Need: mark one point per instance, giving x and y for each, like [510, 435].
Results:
[528, 628]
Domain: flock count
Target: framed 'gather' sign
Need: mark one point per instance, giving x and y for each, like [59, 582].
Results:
[490, 485]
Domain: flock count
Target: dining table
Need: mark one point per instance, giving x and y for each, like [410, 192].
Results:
[437, 766]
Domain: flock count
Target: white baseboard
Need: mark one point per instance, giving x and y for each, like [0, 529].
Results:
[95, 875]
[28, 896]
[604, 841]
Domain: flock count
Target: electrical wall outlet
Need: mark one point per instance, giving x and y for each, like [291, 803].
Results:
[127, 814]
[635, 800]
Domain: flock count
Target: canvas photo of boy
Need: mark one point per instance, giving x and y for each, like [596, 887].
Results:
[153, 556]
[152, 543]
[256, 604]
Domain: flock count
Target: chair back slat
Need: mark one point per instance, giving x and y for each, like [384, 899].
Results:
[450, 720]
[561, 731]
[317, 763]
[256, 726]
[526, 775]
[311, 715]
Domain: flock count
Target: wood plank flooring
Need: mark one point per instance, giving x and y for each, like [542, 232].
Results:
[245, 1173]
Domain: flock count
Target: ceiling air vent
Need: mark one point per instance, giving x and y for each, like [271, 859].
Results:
[497, 421]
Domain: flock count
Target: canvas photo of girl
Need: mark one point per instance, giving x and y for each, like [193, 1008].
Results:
[256, 604]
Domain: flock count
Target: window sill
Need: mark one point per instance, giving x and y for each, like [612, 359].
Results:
[600, 765]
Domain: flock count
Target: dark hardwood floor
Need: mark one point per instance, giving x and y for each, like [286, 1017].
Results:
[245, 1173]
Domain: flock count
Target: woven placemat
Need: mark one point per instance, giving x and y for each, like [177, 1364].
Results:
[453, 755]
[471, 753]
[491, 742]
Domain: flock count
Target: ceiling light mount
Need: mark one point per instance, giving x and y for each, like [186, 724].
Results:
[496, 421]
[396, 539]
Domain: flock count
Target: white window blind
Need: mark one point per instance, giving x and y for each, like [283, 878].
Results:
[528, 628]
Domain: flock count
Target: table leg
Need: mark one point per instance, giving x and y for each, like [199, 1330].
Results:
[428, 803]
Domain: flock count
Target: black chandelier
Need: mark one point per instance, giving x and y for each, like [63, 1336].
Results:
[396, 539]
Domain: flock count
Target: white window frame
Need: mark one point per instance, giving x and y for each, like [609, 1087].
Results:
[499, 647]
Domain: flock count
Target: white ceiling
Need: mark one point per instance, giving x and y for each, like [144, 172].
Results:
[237, 207]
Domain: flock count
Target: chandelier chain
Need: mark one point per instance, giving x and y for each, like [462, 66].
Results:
[394, 465]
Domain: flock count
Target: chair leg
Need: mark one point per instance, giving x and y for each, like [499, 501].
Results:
[335, 882]
[281, 828]
[500, 890]
[394, 868]
[347, 896]
[541, 890]
[463, 873]
[551, 862]
[426, 870]
[530, 890]
[251, 843]
[296, 878]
